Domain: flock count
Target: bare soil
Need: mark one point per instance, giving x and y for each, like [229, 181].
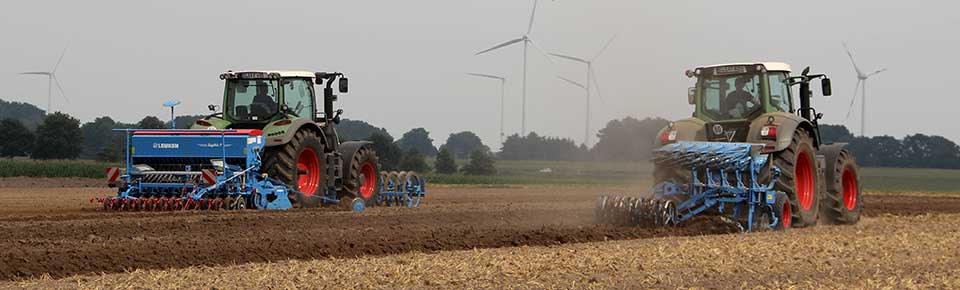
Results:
[886, 252]
[56, 232]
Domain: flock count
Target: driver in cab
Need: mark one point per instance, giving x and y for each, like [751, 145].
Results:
[263, 103]
[740, 102]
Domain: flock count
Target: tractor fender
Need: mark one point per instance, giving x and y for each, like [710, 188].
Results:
[216, 123]
[279, 135]
[689, 129]
[787, 124]
[347, 149]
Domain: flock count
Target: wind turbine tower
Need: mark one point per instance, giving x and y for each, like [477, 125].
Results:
[527, 40]
[862, 87]
[51, 80]
[503, 82]
[591, 79]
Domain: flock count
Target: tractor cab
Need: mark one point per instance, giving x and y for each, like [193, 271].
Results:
[254, 98]
[743, 91]
[277, 103]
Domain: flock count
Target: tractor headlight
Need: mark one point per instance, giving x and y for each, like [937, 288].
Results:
[768, 132]
[668, 136]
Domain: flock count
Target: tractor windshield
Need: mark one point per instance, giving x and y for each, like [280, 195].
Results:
[730, 96]
[251, 100]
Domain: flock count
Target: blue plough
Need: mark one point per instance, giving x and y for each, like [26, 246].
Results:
[724, 179]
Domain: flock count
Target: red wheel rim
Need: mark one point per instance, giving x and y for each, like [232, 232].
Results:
[309, 165]
[803, 175]
[850, 189]
[368, 180]
[785, 217]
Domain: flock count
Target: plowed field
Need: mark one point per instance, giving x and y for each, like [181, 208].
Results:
[56, 232]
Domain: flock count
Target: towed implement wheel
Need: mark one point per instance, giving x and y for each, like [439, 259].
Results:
[297, 164]
[842, 203]
[799, 179]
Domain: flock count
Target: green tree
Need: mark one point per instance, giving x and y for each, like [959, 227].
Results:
[417, 139]
[352, 130]
[17, 139]
[97, 135]
[28, 114]
[445, 163]
[628, 139]
[462, 144]
[151, 122]
[388, 151]
[413, 160]
[58, 137]
[535, 147]
[481, 163]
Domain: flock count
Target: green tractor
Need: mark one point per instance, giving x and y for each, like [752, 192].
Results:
[302, 148]
[754, 103]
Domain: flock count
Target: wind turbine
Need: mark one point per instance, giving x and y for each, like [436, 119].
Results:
[527, 40]
[586, 126]
[591, 76]
[52, 79]
[861, 83]
[503, 82]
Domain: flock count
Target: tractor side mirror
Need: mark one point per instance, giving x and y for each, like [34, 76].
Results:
[825, 87]
[344, 85]
[212, 108]
[691, 95]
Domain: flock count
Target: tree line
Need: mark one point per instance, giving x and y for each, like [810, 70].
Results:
[29, 132]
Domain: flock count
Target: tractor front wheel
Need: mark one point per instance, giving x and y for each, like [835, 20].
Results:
[799, 179]
[297, 164]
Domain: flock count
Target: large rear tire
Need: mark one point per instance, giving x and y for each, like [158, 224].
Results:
[362, 177]
[842, 203]
[297, 164]
[799, 179]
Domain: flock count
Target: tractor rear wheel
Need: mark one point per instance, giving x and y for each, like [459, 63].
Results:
[799, 179]
[297, 164]
[361, 178]
[842, 201]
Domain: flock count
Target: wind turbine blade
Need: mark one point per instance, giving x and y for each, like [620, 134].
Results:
[876, 72]
[60, 88]
[61, 58]
[36, 73]
[855, 67]
[572, 82]
[544, 52]
[500, 45]
[486, 76]
[532, 14]
[596, 83]
[853, 99]
[605, 46]
[577, 59]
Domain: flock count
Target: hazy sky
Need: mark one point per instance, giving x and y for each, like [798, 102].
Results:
[407, 59]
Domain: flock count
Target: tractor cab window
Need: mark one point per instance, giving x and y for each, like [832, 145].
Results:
[779, 92]
[252, 100]
[298, 96]
[732, 96]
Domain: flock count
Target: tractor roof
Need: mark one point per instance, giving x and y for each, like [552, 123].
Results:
[282, 73]
[769, 66]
